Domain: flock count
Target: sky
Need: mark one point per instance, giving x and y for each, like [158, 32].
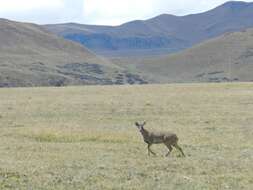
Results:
[99, 12]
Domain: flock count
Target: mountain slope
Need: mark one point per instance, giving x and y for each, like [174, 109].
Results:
[31, 56]
[225, 58]
[162, 34]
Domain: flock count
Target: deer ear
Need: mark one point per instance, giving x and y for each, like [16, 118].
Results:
[144, 123]
[137, 124]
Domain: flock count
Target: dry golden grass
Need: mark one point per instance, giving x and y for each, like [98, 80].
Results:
[84, 137]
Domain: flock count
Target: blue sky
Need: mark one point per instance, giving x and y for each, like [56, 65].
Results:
[101, 12]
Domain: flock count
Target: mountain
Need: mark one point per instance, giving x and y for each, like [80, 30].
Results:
[31, 56]
[222, 59]
[160, 35]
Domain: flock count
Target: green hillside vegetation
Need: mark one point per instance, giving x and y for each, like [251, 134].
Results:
[85, 138]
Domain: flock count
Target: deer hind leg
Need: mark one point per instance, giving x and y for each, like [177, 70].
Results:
[179, 148]
[169, 147]
[149, 150]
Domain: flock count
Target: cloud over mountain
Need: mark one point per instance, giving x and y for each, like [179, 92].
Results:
[109, 12]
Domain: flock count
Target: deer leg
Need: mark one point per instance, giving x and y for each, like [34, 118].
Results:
[179, 148]
[170, 149]
[149, 149]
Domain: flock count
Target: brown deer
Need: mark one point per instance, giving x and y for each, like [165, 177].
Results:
[169, 139]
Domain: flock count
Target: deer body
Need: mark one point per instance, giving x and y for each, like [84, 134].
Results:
[169, 139]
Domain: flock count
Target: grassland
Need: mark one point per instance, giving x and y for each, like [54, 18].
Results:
[84, 137]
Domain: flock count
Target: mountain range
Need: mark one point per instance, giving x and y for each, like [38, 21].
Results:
[160, 35]
[215, 46]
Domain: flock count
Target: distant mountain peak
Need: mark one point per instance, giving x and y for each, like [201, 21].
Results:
[163, 33]
[133, 23]
[236, 4]
[165, 16]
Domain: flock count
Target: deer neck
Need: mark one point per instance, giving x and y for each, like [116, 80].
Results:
[144, 133]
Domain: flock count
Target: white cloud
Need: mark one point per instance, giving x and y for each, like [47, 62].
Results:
[109, 12]
[113, 12]
[7, 6]
[42, 11]
[183, 7]
[116, 11]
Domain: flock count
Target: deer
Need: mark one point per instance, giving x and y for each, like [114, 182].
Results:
[169, 139]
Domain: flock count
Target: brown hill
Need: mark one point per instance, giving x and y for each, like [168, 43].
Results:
[31, 56]
[226, 58]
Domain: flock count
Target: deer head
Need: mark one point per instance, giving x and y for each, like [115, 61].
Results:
[140, 126]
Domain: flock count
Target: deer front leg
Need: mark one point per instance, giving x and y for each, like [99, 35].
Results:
[149, 150]
[170, 149]
[179, 148]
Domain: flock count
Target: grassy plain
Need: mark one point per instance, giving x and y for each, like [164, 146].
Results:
[84, 137]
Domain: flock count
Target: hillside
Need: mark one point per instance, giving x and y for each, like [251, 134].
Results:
[226, 58]
[31, 56]
[160, 35]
